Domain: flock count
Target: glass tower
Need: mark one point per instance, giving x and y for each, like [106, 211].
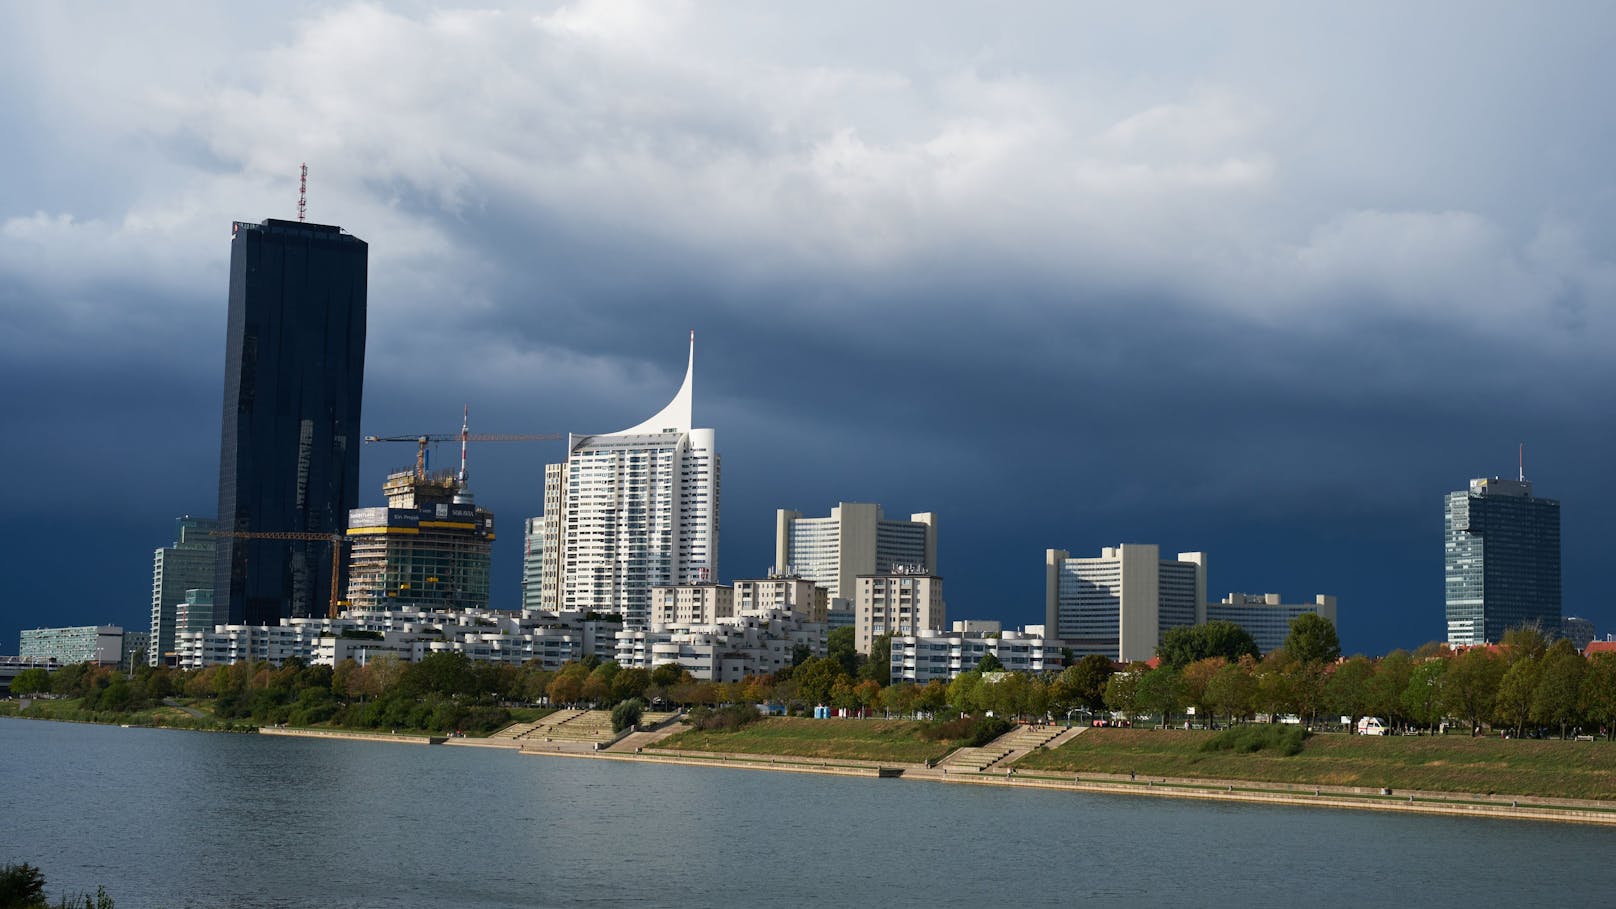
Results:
[289, 448]
[1501, 548]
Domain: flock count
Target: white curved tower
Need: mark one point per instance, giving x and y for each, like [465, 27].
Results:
[630, 510]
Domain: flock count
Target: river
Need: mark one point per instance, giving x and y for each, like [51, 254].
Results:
[188, 819]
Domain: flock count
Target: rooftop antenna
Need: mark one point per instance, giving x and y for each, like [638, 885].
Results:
[303, 191]
[465, 434]
[1522, 456]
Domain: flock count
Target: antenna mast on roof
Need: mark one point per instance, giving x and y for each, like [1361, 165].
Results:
[1522, 456]
[303, 191]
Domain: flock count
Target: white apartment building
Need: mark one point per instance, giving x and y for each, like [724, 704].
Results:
[724, 651]
[1265, 618]
[483, 635]
[855, 539]
[896, 603]
[802, 598]
[691, 604]
[1119, 604]
[939, 656]
[632, 510]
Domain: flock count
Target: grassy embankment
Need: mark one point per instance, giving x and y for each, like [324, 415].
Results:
[72, 710]
[1550, 769]
[898, 741]
[196, 713]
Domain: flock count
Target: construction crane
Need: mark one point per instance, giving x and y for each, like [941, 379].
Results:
[335, 539]
[463, 436]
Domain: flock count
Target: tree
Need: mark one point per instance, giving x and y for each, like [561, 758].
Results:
[878, 668]
[901, 698]
[989, 663]
[627, 714]
[1182, 646]
[1470, 686]
[816, 678]
[1422, 699]
[1161, 690]
[1386, 686]
[964, 692]
[1598, 695]
[630, 683]
[22, 886]
[1233, 690]
[666, 675]
[1557, 699]
[1122, 693]
[1088, 678]
[35, 680]
[1312, 639]
[1197, 678]
[841, 646]
[1513, 703]
[1347, 690]
[1523, 641]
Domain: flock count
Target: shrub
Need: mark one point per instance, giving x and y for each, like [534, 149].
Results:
[1286, 740]
[973, 731]
[627, 714]
[725, 719]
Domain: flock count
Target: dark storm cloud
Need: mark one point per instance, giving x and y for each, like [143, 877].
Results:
[1263, 281]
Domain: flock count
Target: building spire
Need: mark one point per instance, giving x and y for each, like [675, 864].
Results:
[677, 416]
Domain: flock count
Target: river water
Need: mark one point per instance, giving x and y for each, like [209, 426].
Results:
[188, 819]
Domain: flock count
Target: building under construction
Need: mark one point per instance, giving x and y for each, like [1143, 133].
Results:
[428, 549]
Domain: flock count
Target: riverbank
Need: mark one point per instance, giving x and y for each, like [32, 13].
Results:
[1250, 792]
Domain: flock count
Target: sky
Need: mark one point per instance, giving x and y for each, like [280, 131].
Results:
[1264, 280]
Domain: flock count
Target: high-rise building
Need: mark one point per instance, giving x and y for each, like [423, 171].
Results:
[428, 549]
[101, 644]
[1119, 604]
[855, 539]
[632, 510]
[1501, 549]
[185, 565]
[1577, 630]
[289, 450]
[533, 564]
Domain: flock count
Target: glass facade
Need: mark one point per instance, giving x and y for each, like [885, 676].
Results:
[1501, 551]
[289, 447]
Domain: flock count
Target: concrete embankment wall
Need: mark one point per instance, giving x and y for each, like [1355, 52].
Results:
[356, 736]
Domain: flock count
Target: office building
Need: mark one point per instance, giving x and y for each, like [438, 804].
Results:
[1501, 549]
[1119, 604]
[187, 564]
[428, 549]
[855, 539]
[632, 510]
[289, 449]
[533, 564]
[1579, 631]
[1265, 618]
[896, 603]
[101, 644]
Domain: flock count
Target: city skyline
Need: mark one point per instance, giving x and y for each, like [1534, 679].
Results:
[1267, 295]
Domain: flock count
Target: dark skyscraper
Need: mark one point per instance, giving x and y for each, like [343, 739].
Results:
[1501, 546]
[289, 450]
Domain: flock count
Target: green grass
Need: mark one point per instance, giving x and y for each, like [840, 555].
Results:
[529, 714]
[72, 710]
[1551, 769]
[898, 741]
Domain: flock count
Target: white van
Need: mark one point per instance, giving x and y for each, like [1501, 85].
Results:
[1371, 725]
